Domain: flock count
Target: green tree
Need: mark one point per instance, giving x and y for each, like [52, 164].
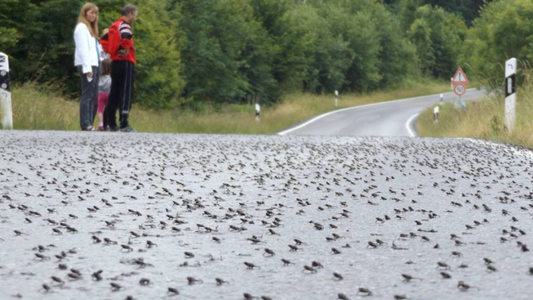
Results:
[289, 64]
[420, 33]
[396, 56]
[504, 30]
[8, 38]
[353, 21]
[376, 51]
[210, 52]
[328, 55]
[406, 11]
[257, 55]
[42, 31]
[159, 83]
[229, 57]
[438, 55]
[467, 9]
[9, 35]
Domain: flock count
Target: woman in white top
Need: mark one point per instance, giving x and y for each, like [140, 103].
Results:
[87, 59]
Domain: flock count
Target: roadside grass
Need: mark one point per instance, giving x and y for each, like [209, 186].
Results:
[42, 108]
[38, 107]
[483, 119]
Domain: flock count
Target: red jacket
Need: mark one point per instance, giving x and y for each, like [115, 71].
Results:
[120, 37]
[104, 41]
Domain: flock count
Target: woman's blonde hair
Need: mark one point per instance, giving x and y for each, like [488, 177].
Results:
[82, 18]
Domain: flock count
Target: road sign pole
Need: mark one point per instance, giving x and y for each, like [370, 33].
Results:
[5, 93]
[459, 103]
[510, 94]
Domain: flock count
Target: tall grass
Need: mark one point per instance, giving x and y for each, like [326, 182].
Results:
[485, 119]
[40, 107]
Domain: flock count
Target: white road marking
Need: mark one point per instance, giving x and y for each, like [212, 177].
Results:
[408, 125]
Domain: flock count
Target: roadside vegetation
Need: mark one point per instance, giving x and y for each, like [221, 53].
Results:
[504, 30]
[38, 107]
[484, 119]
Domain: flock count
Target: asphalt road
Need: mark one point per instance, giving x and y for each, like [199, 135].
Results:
[91, 215]
[394, 118]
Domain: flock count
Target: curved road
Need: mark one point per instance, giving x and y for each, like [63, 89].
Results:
[392, 118]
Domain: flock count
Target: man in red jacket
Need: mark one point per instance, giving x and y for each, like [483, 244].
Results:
[120, 47]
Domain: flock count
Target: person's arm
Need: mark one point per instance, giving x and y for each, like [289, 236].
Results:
[81, 38]
[126, 36]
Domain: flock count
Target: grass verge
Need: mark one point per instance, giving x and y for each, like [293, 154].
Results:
[40, 108]
[484, 119]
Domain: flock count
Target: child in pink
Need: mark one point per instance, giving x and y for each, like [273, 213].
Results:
[104, 87]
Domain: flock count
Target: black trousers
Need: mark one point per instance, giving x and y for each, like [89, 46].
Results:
[121, 95]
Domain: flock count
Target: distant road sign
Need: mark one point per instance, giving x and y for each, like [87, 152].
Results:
[460, 89]
[460, 77]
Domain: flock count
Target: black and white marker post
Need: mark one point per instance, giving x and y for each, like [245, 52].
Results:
[257, 112]
[5, 93]
[336, 98]
[510, 93]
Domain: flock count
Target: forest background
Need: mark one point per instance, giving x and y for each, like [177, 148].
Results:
[246, 51]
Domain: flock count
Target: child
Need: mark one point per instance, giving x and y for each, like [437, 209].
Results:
[104, 44]
[104, 87]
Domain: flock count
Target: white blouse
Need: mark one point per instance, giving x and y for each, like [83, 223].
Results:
[86, 54]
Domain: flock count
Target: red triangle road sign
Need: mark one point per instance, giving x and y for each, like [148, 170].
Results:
[460, 77]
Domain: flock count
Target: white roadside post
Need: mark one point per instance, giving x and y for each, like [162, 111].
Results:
[436, 114]
[257, 112]
[5, 93]
[336, 98]
[441, 98]
[510, 94]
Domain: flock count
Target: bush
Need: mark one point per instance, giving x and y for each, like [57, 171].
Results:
[504, 30]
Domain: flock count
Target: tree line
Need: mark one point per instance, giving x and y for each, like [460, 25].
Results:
[242, 51]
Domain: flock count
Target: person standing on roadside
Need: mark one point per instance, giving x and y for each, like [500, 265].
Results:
[104, 86]
[120, 47]
[87, 59]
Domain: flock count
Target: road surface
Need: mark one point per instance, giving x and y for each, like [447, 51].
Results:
[92, 215]
[394, 118]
